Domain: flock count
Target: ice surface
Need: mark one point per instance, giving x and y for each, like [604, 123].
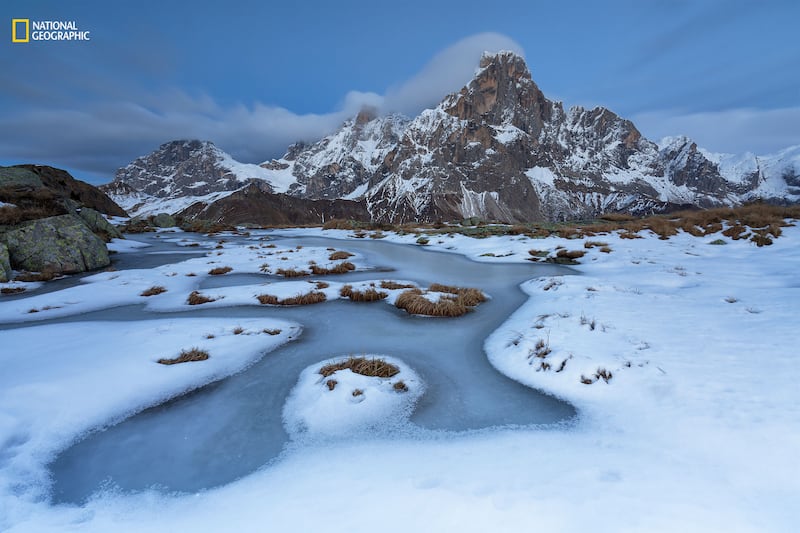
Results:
[699, 433]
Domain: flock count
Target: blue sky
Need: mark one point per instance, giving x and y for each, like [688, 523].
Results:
[254, 76]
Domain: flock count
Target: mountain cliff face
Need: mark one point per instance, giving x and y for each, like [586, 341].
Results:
[498, 149]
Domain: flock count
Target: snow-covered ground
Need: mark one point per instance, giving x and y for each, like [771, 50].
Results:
[679, 356]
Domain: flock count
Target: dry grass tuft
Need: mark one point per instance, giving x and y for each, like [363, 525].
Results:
[453, 304]
[331, 383]
[291, 273]
[238, 330]
[322, 284]
[309, 298]
[186, 356]
[272, 332]
[218, 271]
[267, 299]
[391, 285]
[361, 365]
[154, 290]
[195, 298]
[338, 256]
[12, 290]
[594, 244]
[341, 268]
[400, 386]
[369, 295]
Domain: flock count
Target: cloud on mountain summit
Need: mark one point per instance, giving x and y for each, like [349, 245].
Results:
[96, 134]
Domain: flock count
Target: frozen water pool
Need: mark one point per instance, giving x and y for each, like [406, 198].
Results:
[230, 428]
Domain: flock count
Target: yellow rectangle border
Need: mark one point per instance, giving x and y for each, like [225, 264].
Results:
[14, 37]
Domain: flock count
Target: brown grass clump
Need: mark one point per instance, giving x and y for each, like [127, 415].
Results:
[594, 244]
[309, 298]
[369, 295]
[361, 365]
[45, 275]
[616, 217]
[272, 332]
[400, 386]
[322, 284]
[291, 273]
[341, 268]
[218, 271]
[570, 254]
[331, 383]
[339, 223]
[238, 330]
[12, 290]
[338, 256]
[186, 356]
[467, 296]
[195, 298]
[415, 303]
[391, 285]
[154, 290]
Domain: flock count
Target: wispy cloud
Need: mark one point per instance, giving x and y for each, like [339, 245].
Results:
[760, 131]
[114, 124]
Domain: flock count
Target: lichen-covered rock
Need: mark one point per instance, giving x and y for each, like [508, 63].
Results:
[5, 264]
[163, 220]
[19, 178]
[98, 223]
[61, 244]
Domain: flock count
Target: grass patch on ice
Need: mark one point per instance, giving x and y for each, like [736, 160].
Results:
[186, 356]
[370, 294]
[218, 271]
[450, 301]
[195, 298]
[154, 290]
[373, 367]
[309, 298]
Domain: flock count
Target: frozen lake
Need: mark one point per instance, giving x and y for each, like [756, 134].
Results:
[230, 428]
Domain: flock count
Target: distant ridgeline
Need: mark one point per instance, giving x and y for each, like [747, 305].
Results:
[497, 150]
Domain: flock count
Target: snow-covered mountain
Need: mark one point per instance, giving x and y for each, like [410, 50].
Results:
[180, 173]
[498, 149]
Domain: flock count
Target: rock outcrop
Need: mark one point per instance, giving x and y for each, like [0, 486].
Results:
[98, 223]
[5, 264]
[60, 244]
[253, 205]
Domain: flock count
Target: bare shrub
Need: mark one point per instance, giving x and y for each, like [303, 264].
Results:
[374, 367]
[186, 356]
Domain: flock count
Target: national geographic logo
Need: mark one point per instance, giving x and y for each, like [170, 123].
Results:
[27, 30]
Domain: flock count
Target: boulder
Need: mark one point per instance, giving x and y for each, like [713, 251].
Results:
[19, 178]
[98, 223]
[60, 244]
[163, 220]
[5, 264]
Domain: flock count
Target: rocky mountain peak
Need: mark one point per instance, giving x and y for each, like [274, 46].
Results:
[503, 93]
